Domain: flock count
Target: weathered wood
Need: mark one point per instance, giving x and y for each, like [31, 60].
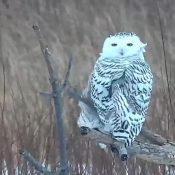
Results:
[57, 97]
[164, 154]
[38, 166]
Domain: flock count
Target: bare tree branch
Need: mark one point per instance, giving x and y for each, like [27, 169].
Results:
[153, 153]
[153, 137]
[72, 92]
[56, 92]
[2, 105]
[38, 166]
[66, 80]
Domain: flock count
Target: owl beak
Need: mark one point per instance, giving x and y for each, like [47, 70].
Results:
[121, 52]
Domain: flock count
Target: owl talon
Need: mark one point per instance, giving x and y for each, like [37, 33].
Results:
[124, 157]
[113, 149]
[84, 130]
[96, 129]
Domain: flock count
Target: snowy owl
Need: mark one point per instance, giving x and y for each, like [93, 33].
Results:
[119, 88]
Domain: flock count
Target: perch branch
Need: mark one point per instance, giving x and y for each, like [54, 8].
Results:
[152, 137]
[153, 153]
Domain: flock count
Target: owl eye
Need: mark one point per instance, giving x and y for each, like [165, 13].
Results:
[129, 44]
[113, 44]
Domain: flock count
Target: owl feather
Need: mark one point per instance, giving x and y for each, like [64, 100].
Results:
[120, 88]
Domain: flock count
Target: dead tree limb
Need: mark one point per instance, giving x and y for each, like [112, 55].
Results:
[66, 80]
[38, 166]
[164, 154]
[56, 94]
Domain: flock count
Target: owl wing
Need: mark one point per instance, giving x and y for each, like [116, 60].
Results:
[101, 87]
[131, 97]
[138, 87]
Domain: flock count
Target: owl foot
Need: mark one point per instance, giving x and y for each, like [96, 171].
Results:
[114, 149]
[84, 130]
[120, 151]
[124, 157]
[96, 129]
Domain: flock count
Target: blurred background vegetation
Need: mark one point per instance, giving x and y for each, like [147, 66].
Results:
[76, 27]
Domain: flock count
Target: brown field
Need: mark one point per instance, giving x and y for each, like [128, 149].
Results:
[76, 27]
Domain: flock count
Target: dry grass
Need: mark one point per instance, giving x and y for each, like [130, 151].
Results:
[77, 27]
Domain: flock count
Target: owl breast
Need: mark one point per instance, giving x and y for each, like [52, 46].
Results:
[101, 86]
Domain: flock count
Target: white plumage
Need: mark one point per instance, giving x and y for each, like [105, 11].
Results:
[120, 89]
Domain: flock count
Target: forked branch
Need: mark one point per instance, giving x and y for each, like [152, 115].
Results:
[56, 94]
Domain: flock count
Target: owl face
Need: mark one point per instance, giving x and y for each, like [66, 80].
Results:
[122, 45]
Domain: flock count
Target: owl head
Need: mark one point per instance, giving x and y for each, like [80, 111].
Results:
[123, 45]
